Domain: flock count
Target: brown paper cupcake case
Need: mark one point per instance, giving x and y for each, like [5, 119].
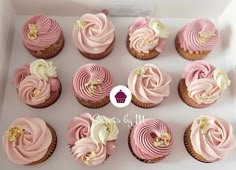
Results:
[92, 104]
[51, 51]
[187, 55]
[143, 105]
[189, 147]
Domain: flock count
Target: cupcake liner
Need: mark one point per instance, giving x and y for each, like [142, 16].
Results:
[142, 160]
[94, 105]
[51, 148]
[100, 55]
[183, 93]
[51, 51]
[188, 56]
[143, 105]
[189, 147]
[140, 55]
[51, 100]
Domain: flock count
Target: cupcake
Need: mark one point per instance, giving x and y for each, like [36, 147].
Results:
[120, 97]
[42, 37]
[146, 38]
[151, 140]
[37, 84]
[92, 84]
[196, 39]
[29, 141]
[202, 84]
[149, 86]
[94, 36]
[92, 138]
[209, 139]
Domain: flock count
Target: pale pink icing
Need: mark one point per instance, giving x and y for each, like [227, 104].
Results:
[85, 146]
[27, 87]
[20, 74]
[49, 32]
[140, 33]
[30, 146]
[110, 147]
[96, 35]
[188, 36]
[79, 127]
[142, 139]
[88, 73]
[201, 85]
[218, 140]
[150, 87]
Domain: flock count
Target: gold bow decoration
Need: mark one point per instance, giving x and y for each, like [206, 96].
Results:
[33, 32]
[92, 84]
[204, 36]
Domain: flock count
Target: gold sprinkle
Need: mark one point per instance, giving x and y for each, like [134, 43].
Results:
[36, 92]
[89, 157]
[33, 32]
[81, 24]
[162, 140]
[92, 84]
[203, 124]
[204, 36]
[14, 133]
[141, 71]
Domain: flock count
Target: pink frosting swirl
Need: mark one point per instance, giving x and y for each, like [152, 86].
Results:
[20, 74]
[31, 145]
[89, 152]
[148, 84]
[93, 33]
[200, 82]
[79, 127]
[143, 38]
[48, 32]
[190, 36]
[212, 137]
[144, 135]
[92, 82]
[33, 90]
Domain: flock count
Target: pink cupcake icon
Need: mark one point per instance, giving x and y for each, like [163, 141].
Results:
[120, 97]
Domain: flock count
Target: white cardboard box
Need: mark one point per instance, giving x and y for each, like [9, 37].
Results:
[173, 111]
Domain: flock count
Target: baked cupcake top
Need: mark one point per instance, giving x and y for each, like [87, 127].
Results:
[204, 82]
[27, 140]
[199, 35]
[35, 81]
[151, 139]
[40, 32]
[92, 82]
[93, 33]
[92, 138]
[149, 84]
[212, 137]
[147, 34]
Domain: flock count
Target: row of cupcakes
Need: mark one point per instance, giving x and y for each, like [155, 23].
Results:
[94, 36]
[91, 139]
[38, 85]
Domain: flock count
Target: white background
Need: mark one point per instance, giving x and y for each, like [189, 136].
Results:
[173, 111]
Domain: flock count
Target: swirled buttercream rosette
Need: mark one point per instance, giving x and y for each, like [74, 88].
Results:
[29, 141]
[37, 84]
[92, 138]
[42, 37]
[146, 38]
